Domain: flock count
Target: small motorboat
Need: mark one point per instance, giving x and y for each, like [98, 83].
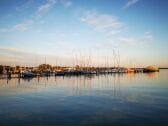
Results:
[27, 73]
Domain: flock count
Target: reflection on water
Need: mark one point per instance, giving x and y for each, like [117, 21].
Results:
[119, 99]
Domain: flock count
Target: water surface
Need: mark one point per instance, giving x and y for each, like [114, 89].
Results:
[114, 99]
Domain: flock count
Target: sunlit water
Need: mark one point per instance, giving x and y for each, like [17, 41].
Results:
[114, 99]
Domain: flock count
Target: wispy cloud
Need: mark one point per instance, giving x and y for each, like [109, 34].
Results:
[130, 3]
[102, 22]
[37, 16]
[45, 7]
[147, 37]
[111, 26]
[23, 26]
[62, 45]
[14, 51]
[16, 56]
[50, 3]
[66, 3]
[105, 45]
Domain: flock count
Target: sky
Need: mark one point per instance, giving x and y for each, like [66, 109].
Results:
[131, 33]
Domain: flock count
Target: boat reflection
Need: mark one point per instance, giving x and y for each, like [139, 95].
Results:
[152, 75]
[76, 85]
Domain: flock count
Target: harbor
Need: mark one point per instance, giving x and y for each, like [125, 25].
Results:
[83, 63]
[48, 70]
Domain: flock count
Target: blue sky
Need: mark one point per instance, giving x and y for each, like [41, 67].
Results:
[63, 31]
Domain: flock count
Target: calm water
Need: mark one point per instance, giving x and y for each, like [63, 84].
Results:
[128, 99]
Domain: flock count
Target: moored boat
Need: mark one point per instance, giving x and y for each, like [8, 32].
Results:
[151, 69]
[27, 73]
[130, 70]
